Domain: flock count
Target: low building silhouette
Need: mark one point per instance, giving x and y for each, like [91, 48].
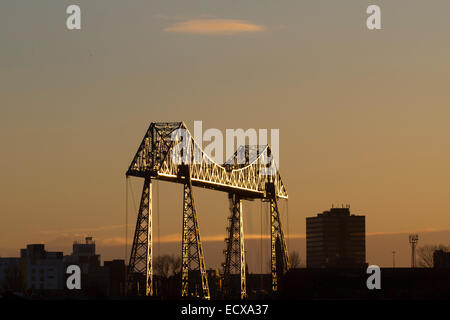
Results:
[83, 255]
[441, 259]
[11, 278]
[107, 280]
[43, 270]
[342, 283]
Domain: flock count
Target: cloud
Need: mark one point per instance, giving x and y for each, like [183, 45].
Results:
[425, 230]
[83, 231]
[176, 237]
[113, 241]
[214, 27]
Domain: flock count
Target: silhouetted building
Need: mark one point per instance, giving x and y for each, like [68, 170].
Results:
[83, 255]
[259, 286]
[106, 280]
[44, 270]
[10, 275]
[335, 239]
[116, 269]
[214, 282]
[441, 259]
[341, 283]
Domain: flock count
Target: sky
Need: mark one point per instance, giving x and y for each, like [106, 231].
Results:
[363, 115]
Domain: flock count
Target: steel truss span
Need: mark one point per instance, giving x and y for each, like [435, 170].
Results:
[168, 152]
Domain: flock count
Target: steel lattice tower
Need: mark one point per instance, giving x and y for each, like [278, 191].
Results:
[141, 251]
[276, 232]
[235, 251]
[192, 252]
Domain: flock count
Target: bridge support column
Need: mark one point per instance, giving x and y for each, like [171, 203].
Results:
[192, 258]
[235, 252]
[279, 253]
[141, 252]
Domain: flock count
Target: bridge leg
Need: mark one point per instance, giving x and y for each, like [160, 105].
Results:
[141, 251]
[192, 251]
[277, 235]
[235, 252]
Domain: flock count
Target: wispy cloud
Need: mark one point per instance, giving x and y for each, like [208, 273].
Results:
[83, 231]
[425, 230]
[214, 27]
[176, 237]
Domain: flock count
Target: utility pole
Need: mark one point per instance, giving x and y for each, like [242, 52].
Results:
[413, 239]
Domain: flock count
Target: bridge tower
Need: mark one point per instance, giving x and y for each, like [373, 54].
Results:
[140, 269]
[235, 251]
[192, 257]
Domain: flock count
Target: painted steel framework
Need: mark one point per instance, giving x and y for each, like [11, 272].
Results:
[235, 251]
[168, 152]
[141, 251]
[192, 250]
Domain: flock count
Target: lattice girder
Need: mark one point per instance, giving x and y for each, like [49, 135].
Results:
[276, 232]
[159, 156]
[235, 251]
[192, 257]
[141, 250]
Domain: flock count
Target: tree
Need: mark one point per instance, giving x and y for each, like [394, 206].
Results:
[176, 265]
[167, 265]
[425, 254]
[295, 259]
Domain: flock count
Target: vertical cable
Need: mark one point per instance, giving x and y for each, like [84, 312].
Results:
[268, 221]
[133, 199]
[261, 240]
[287, 222]
[126, 218]
[157, 216]
[126, 234]
[248, 226]
[261, 245]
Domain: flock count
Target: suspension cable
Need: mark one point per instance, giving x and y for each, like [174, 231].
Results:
[126, 217]
[287, 222]
[157, 217]
[268, 228]
[129, 186]
[261, 239]
[126, 233]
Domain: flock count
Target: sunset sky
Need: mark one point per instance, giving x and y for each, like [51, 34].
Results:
[364, 116]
